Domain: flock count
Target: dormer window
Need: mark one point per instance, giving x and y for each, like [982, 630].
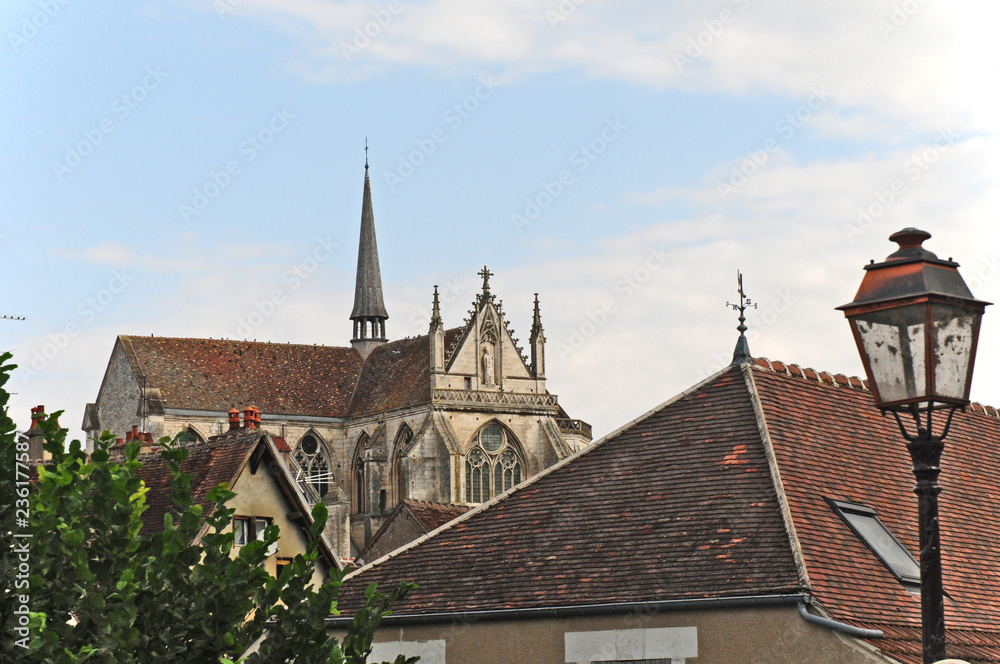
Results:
[863, 521]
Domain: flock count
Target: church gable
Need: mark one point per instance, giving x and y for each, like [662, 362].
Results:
[487, 350]
[118, 399]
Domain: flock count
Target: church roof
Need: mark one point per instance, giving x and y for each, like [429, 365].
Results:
[218, 374]
[723, 492]
[283, 379]
[368, 288]
[396, 375]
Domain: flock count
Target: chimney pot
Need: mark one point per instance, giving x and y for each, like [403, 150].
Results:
[248, 419]
[234, 419]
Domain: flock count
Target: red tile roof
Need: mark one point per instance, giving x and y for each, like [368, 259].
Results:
[831, 442]
[682, 504]
[283, 379]
[625, 521]
[218, 374]
[433, 515]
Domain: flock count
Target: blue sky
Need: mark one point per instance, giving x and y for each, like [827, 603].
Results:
[170, 166]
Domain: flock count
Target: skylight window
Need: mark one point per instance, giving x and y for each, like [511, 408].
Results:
[867, 526]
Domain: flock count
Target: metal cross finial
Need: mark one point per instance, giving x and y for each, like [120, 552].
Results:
[486, 274]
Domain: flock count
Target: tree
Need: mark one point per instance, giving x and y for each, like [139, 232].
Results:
[98, 591]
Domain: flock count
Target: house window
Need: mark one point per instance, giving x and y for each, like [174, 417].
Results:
[492, 466]
[280, 564]
[312, 466]
[250, 528]
[870, 529]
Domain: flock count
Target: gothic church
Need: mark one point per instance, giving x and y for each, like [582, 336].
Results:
[456, 416]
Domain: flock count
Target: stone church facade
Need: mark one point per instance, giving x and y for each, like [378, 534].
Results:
[456, 416]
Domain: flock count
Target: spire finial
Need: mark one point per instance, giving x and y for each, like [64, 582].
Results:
[742, 352]
[536, 323]
[436, 309]
[486, 274]
[366, 155]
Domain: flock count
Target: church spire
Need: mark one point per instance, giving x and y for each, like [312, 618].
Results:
[369, 312]
[537, 341]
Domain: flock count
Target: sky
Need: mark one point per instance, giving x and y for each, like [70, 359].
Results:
[195, 169]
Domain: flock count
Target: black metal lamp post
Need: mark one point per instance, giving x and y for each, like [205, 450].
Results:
[917, 326]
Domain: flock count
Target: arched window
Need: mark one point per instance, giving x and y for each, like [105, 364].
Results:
[188, 437]
[358, 467]
[403, 439]
[313, 464]
[492, 465]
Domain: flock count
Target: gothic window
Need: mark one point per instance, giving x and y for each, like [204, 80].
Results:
[313, 465]
[188, 437]
[403, 439]
[359, 498]
[492, 465]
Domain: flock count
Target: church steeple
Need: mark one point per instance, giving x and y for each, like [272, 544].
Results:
[369, 312]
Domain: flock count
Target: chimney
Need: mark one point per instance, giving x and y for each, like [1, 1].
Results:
[234, 419]
[251, 417]
[36, 438]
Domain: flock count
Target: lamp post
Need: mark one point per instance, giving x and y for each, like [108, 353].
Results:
[917, 327]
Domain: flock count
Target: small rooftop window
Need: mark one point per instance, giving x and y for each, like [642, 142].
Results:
[867, 526]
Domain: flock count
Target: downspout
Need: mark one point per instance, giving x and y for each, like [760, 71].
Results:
[850, 630]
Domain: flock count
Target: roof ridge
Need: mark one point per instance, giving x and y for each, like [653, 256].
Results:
[841, 380]
[812, 375]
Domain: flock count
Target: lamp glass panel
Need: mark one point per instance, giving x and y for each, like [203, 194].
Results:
[953, 346]
[893, 341]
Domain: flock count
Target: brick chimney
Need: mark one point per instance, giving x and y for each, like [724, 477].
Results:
[36, 438]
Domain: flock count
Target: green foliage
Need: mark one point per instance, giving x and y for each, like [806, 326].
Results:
[102, 593]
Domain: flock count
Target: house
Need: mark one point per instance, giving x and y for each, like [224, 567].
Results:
[251, 462]
[763, 515]
[456, 416]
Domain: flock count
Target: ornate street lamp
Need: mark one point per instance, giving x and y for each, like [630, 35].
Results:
[917, 326]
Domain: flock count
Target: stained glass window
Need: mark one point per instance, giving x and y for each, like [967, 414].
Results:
[492, 466]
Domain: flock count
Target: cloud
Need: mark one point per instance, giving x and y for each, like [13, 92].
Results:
[904, 65]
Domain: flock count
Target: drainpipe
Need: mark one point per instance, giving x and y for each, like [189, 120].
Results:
[850, 630]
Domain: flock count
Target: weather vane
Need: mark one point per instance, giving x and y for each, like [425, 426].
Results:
[742, 352]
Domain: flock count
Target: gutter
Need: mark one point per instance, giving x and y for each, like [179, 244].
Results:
[756, 601]
[850, 630]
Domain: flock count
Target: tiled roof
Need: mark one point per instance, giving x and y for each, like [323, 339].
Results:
[395, 375]
[681, 504]
[209, 464]
[284, 379]
[433, 515]
[624, 521]
[218, 374]
[831, 442]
